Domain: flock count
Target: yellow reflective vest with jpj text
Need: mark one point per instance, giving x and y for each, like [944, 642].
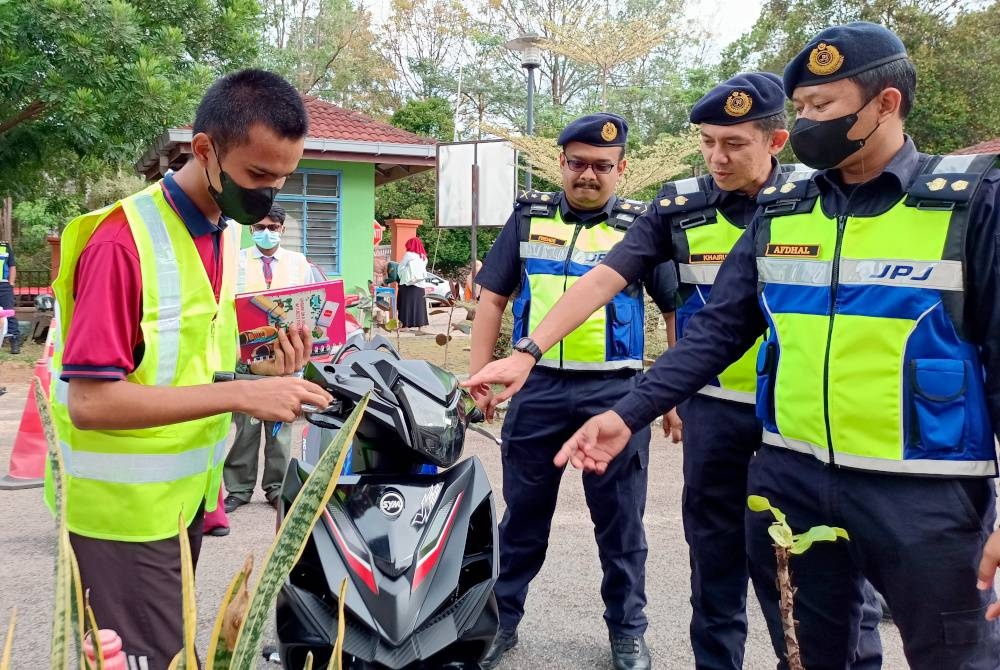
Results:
[554, 255]
[702, 237]
[866, 365]
[132, 485]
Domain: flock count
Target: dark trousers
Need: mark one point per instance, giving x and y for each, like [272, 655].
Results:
[550, 407]
[918, 540]
[720, 439]
[135, 589]
[7, 302]
[240, 471]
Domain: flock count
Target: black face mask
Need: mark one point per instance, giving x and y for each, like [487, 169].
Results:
[243, 205]
[824, 144]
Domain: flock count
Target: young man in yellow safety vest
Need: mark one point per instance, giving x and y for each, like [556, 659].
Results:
[146, 316]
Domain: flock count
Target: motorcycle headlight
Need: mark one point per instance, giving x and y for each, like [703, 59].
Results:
[438, 432]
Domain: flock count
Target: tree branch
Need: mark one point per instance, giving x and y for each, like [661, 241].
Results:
[32, 111]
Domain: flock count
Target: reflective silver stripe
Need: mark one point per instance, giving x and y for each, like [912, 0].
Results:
[241, 279]
[62, 391]
[698, 274]
[942, 275]
[588, 257]
[595, 366]
[801, 446]
[745, 397]
[954, 164]
[141, 468]
[545, 252]
[902, 467]
[795, 271]
[168, 281]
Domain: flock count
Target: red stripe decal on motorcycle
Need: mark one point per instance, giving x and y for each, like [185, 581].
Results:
[355, 562]
[427, 563]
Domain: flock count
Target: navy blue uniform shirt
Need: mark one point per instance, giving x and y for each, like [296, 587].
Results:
[731, 321]
[648, 243]
[501, 271]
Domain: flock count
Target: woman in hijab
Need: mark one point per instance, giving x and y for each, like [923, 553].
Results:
[412, 271]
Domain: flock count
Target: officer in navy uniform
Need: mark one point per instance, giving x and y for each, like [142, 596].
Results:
[551, 240]
[878, 283]
[8, 272]
[695, 222]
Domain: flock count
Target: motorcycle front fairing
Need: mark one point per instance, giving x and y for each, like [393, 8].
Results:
[420, 556]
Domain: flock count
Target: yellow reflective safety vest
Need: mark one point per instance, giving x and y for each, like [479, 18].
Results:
[4, 261]
[131, 485]
[865, 365]
[289, 268]
[554, 255]
[702, 238]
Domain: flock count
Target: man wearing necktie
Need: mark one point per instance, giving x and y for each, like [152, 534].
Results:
[266, 265]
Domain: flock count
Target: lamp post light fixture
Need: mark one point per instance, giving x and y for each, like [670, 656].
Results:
[531, 59]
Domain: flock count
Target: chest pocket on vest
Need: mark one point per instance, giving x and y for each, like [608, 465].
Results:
[624, 336]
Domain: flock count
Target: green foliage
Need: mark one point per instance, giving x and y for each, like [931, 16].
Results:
[781, 532]
[430, 117]
[99, 78]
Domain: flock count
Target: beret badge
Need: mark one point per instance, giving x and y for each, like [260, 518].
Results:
[609, 132]
[738, 103]
[825, 59]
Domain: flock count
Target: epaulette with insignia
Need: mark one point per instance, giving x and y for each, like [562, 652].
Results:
[687, 202]
[948, 182]
[792, 192]
[539, 203]
[625, 212]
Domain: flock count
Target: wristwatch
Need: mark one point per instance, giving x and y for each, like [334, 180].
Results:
[527, 345]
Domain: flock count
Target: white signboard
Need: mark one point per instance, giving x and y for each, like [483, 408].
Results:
[496, 162]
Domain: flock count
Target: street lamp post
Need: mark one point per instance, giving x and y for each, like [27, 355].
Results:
[531, 58]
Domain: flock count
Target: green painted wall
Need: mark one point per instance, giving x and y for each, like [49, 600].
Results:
[357, 213]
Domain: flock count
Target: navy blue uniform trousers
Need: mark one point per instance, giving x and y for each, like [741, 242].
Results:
[720, 439]
[7, 301]
[550, 407]
[918, 540]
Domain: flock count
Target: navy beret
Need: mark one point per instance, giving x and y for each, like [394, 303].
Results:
[599, 130]
[746, 97]
[839, 52]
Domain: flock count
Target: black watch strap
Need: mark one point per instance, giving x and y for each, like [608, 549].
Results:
[527, 345]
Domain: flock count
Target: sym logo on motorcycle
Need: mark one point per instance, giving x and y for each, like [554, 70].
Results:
[391, 503]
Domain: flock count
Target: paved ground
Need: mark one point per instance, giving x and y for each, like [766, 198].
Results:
[563, 629]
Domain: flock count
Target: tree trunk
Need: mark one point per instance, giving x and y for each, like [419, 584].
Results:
[786, 595]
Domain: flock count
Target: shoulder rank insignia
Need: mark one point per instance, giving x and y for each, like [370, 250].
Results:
[636, 207]
[533, 197]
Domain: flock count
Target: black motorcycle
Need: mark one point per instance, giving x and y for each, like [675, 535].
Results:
[419, 551]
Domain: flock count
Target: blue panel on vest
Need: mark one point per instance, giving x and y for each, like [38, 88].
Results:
[793, 299]
[537, 266]
[889, 302]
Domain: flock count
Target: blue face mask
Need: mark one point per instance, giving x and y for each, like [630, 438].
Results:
[266, 239]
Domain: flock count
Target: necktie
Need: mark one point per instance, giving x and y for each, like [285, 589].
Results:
[267, 260]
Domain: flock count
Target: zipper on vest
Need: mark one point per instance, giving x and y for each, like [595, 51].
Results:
[569, 258]
[834, 283]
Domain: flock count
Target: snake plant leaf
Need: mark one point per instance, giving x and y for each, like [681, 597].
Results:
[338, 646]
[8, 644]
[230, 617]
[292, 536]
[64, 626]
[188, 658]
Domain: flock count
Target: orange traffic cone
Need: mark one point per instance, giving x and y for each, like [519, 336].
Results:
[27, 461]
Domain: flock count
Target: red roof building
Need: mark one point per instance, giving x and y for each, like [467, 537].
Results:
[987, 147]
